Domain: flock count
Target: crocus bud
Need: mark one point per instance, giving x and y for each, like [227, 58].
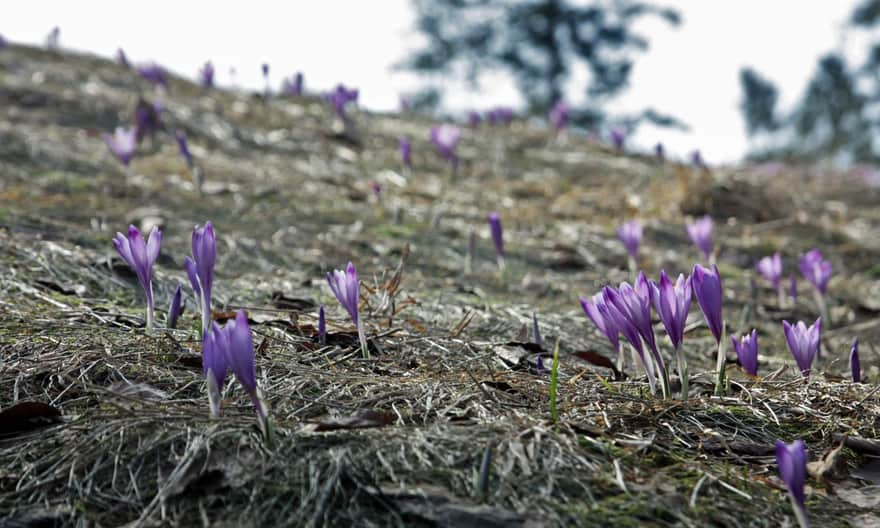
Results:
[855, 365]
[206, 75]
[141, 256]
[122, 144]
[771, 269]
[747, 352]
[803, 342]
[673, 302]
[630, 234]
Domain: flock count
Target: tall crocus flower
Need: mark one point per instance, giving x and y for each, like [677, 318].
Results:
[700, 232]
[200, 269]
[497, 237]
[707, 288]
[817, 271]
[445, 139]
[206, 75]
[747, 352]
[122, 144]
[404, 148]
[771, 269]
[792, 462]
[803, 342]
[630, 332]
[634, 303]
[175, 308]
[347, 289]
[630, 234]
[855, 366]
[141, 256]
[559, 115]
[673, 302]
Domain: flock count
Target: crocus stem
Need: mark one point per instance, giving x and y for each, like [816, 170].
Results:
[720, 364]
[633, 268]
[780, 292]
[683, 373]
[823, 309]
[500, 261]
[149, 292]
[799, 513]
[363, 339]
[647, 364]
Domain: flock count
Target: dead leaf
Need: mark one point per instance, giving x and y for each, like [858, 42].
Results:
[27, 416]
[832, 466]
[594, 358]
[361, 420]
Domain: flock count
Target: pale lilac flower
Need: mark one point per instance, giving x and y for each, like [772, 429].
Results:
[559, 115]
[747, 351]
[141, 256]
[771, 269]
[630, 234]
[598, 312]
[634, 304]
[816, 270]
[122, 144]
[803, 342]
[792, 462]
[445, 139]
[700, 232]
[340, 98]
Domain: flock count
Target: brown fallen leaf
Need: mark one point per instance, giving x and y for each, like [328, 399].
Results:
[599, 360]
[360, 420]
[27, 416]
[832, 466]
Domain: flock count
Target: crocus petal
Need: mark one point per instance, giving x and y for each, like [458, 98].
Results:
[792, 462]
[241, 353]
[706, 284]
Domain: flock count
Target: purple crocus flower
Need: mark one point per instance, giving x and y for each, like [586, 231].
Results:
[122, 144]
[175, 308]
[340, 98]
[697, 160]
[200, 269]
[231, 347]
[771, 269]
[673, 302]
[598, 312]
[322, 326]
[630, 233]
[747, 352]
[700, 232]
[660, 152]
[855, 366]
[153, 74]
[618, 137]
[816, 270]
[146, 118]
[500, 115]
[497, 233]
[215, 365]
[404, 147]
[474, 119]
[792, 462]
[183, 147]
[293, 86]
[707, 288]
[803, 342]
[624, 324]
[634, 304]
[122, 59]
[559, 115]
[141, 256]
[445, 139]
[346, 288]
[206, 75]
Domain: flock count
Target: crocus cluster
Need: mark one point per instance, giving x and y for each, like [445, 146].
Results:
[141, 256]
[206, 75]
[445, 139]
[700, 232]
[122, 144]
[559, 115]
[153, 74]
[226, 348]
[803, 342]
[200, 269]
[345, 286]
[792, 462]
[340, 97]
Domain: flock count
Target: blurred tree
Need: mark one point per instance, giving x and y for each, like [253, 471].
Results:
[539, 43]
[759, 101]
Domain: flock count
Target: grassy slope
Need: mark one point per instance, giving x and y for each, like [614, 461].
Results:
[289, 201]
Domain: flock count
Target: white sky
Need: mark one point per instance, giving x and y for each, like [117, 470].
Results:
[690, 72]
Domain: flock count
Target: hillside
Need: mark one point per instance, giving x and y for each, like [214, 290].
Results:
[400, 438]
